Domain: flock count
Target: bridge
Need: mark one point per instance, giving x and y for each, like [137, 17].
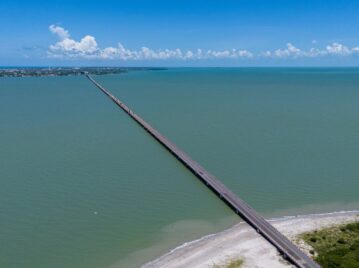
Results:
[285, 247]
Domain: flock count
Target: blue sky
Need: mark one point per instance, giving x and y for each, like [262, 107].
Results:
[180, 33]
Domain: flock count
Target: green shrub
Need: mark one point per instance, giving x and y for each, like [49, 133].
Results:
[341, 241]
[336, 247]
[313, 239]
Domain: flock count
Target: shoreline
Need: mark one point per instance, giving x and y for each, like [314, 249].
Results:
[241, 241]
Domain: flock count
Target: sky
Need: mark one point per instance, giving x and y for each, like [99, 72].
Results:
[179, 33]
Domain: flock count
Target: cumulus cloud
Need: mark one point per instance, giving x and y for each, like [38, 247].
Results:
[68, 47]
[338, 49]
[59, 31]
[87, 48]
[291, 51]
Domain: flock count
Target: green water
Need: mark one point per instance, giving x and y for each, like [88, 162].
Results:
[84, 186]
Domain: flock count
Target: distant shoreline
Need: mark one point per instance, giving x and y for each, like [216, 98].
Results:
[241, 241]
[68, 71]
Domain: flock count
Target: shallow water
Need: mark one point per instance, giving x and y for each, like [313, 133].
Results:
[84, 186]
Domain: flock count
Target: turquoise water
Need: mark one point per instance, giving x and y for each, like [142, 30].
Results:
[84, 186]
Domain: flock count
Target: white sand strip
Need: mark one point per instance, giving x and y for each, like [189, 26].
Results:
[241, 241]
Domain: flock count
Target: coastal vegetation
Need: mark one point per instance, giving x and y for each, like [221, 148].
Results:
[234, 263]
[67, 71]
[335, 247]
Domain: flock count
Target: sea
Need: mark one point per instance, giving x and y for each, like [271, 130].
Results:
[83, 186]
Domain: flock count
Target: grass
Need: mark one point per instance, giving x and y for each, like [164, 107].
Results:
[335, 247]
[236, 263]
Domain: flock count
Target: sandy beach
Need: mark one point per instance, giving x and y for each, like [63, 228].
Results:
[241, 241]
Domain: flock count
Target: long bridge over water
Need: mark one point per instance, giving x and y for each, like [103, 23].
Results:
[288, 250]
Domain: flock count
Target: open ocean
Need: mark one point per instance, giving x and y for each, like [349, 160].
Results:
[83, 186]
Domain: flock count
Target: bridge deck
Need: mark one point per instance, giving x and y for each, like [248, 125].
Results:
[248, 214]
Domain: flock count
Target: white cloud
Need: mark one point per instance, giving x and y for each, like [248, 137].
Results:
[290, 51]
[245, 53]
[338, 49]
[68, 47]
[61, 32]
[315, 52]
[266, 54]
[334, 49]
[293, 50]
[87, 45]
[87, 48]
